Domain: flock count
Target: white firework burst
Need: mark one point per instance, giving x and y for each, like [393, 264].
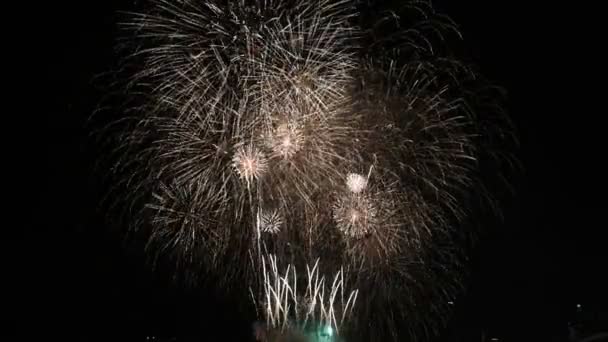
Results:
[355, 215]
[270, 221]
[285, 141]
[250, 163]
[356, 182]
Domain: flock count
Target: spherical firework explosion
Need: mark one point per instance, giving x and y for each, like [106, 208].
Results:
[250, 163]
[285, 141]
[356, 183]
[264, 136]
[270, 221]
[355, 215]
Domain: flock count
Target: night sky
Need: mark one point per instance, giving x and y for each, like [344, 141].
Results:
[69, 275]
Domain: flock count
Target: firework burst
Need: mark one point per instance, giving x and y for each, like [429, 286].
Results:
[238, 103]
[307, 130]
[355, 215]
[270, 221]
[250, 163]
[356, 182]
[285, 141]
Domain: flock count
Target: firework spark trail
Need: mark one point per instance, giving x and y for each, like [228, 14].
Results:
[199, 53]
[308, 130]
[319, 303]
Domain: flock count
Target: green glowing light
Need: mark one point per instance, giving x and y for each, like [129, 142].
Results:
[323, 334]
[315, 332]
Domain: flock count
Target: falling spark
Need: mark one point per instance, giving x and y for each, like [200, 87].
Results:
[320, 302]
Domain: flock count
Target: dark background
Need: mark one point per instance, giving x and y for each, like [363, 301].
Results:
[70, 277]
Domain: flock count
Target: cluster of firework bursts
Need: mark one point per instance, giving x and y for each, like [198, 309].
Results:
[269, 136]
